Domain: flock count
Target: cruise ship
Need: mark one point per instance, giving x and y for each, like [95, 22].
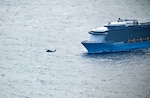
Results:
[123, 35]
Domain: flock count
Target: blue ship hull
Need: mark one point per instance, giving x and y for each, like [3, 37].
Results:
[94, 47]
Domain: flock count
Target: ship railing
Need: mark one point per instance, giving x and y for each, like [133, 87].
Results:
[122, 20]
[128, 21]
[88, 41]
[146, 23]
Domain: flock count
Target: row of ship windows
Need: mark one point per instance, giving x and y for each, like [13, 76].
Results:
[138, 40]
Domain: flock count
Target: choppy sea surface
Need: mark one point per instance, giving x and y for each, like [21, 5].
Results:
[29, 27]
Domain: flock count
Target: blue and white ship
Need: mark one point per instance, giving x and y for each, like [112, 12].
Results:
[122, 35]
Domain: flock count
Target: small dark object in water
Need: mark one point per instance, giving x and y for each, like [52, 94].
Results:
[50, 50]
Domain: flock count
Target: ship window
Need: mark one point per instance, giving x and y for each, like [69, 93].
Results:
[97, 38]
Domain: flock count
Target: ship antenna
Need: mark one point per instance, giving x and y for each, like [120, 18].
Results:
[119, 19]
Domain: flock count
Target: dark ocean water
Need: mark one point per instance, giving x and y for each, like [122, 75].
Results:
[28, 28]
